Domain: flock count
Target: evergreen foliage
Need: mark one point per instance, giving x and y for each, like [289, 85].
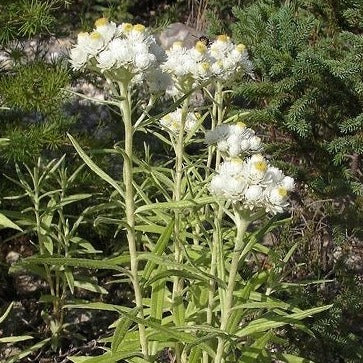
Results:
[31, 83]
[337, 334]
[308, 94]
[309, 65]
[25, 18]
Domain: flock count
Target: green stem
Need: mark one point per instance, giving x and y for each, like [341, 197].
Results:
[125, 107]
[178, 283]
[220, 114]
[241, 224]
[42, 248]
[217, 257]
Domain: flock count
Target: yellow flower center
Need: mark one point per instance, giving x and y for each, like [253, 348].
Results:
[126, 27]
[282, 192]
[178, 44]
[200, 47]
[241, 125]
[175, 125]
[139, 28]
[101, 22]
[83, 34]
[240, 48]
[205, 66]
[236, 161]
[223, 38]
[260, 166]
[95, 36]
[197, 115]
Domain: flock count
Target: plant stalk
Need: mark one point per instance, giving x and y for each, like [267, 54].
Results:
[241, 224]
[178, 283]
[219, 116]
[125, 107]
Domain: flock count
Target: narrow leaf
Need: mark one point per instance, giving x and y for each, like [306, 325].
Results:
[159, 249]
[24, 353]
[264, 324]
[196, 203]
[15, 339]
[5, 222]
[103, 175]
[121, 330]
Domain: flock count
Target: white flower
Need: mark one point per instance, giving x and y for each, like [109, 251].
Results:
[253, 196]
[233, 167]
[126, 50]
[172, 121]
[106, 59]
[229, 182]
[276, 199]
[221, 47]
[105, 28]
[247, 183]
[120, 49]
[95, 43]
[78, 57]
[228, 59]
[255, 168]
[255, 143]
[253, 193]
[143, 61]
[273, 175]
[288, 183]
[230, 188]
[190, 121]
[244, 145]
[188, 66]
[234, 139]
[124, 29]
[83, 40]
[137, 33]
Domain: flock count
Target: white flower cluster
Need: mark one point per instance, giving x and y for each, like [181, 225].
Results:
[253, 183]
[188, 64]
[234, 139]
[129, 52]
[172, 121]
[222, 60]
[126, 50]
[228, 59]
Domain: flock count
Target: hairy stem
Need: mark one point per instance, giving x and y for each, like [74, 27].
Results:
[125, 107]
[241, 224]
[220, 115]
[216, 259]
[178, 283]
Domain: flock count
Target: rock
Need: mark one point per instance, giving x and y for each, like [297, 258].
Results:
[26, 284]
[351, 255]
[178, 32]
[12, 257]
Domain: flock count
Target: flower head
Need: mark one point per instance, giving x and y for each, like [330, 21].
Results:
[235, 139]
[173, 121]
[124, 52]
[188, 67]
[228, 59]
[250, 183]
[105, 28]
